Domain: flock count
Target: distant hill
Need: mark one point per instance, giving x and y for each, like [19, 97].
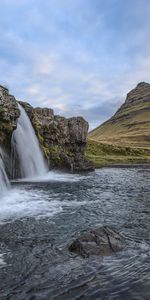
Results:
[130, 125]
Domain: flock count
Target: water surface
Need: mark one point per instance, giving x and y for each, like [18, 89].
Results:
[39, 219]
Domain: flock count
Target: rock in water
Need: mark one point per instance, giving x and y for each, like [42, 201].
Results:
[102, 241]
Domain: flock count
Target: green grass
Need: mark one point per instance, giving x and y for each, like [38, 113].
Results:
[104, 154]
[128, 127]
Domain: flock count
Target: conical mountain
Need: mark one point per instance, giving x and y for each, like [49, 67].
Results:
[130, 125]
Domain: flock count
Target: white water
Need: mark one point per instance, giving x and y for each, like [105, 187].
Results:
[25, 144]
[4, 182]
[22, 203]
[31, 201]
[53, 176]
[2, 262]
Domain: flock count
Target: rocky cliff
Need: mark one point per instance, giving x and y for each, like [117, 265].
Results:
[62, 140]
[130, 125]
[9, 113]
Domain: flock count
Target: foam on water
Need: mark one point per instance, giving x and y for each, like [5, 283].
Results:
[22, 202]
[53, 176]
[19, 203]
[2, 262]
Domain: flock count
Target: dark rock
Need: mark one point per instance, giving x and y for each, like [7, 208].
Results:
[101, 241]
[62, 140]
[9, 113]
[140, 94]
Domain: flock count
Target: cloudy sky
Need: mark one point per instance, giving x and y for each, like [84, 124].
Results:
[79, 57]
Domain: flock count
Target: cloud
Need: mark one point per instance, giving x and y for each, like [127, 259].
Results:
[33, 90]
[78, 57]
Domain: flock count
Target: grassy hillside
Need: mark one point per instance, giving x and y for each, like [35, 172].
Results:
[105, 154]
[130, 126]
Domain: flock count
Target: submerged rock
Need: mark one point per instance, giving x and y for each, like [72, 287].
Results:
[102, 241]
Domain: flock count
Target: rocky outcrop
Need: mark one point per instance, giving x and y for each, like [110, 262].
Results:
[102, 241]
[62, 140]
[140, 94]
[9, 113]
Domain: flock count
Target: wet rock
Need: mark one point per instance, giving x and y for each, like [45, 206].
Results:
[101, 241]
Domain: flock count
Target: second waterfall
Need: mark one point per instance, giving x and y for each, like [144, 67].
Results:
[25, 147]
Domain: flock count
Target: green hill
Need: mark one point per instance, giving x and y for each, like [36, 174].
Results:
[130, 126]
[124, 138]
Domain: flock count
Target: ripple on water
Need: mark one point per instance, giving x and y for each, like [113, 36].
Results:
[45, 216]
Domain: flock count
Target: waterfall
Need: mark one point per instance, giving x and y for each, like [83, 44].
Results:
[4, 182]
[26, 148]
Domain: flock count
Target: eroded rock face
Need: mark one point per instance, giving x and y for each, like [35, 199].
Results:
[140, 94]
[101, 241]
[62, 140]
[9, 113]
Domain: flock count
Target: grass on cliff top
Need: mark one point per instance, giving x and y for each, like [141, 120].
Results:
[104, 154]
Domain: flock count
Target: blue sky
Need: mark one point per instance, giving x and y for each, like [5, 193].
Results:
[79, 57]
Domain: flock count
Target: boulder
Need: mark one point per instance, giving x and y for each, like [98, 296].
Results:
[102, 241]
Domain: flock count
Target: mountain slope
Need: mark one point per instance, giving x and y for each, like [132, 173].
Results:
[130, 126]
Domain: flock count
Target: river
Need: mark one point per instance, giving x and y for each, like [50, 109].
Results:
[38, 220]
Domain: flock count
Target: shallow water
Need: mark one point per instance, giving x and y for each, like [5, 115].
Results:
[39, 219]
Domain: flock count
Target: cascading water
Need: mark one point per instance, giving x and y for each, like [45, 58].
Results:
[4, 182]
[26, 147]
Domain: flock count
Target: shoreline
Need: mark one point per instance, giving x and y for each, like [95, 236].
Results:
[125, 165]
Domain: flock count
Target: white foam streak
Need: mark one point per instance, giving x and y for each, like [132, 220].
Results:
[52, 176]
[2, 262]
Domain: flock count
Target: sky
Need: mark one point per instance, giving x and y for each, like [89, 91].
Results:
[79, 57]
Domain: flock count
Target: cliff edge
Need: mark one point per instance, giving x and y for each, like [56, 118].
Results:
[62, 140]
